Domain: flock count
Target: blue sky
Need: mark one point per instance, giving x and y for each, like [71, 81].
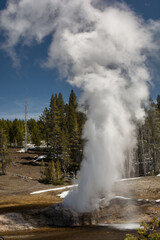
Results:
[39, 83]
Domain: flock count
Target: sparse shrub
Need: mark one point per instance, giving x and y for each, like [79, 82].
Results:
[130, 237]
[152, 173]
[51, 174]
[147, 231]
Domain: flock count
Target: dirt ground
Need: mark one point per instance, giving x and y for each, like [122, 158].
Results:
[143, 187]
[22, 179]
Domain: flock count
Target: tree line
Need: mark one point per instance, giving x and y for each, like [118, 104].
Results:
[147, 157]
[60, 128]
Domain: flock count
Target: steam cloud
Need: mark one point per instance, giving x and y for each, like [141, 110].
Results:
[102, 49]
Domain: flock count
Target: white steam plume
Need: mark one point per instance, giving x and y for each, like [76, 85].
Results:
[102, 49]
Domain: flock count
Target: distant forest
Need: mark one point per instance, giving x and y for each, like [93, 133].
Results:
[59, 131]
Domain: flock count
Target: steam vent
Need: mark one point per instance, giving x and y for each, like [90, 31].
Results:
[118, 210]
[58, 216]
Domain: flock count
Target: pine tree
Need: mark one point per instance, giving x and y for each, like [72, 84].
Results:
[42, 169]
[148, 151]
[58, 179]
[17, 133]
[34, 131]
[158, 101]
[4, 154]
[54, 126]
[153, 135]
[65, 158]
[61, 111]
[51, 172]
[6, 125]
[72, 111]
[61, 126]
[48, 174]
[44, 126]
[74, 133]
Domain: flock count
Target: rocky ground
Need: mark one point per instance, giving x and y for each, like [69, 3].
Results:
[19, 210]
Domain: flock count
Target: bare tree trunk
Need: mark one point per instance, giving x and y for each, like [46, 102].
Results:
[142, 153]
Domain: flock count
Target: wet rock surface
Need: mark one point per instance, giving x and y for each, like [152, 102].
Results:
[59, 216]
[14, 221]
[21, 211]
[119, 210]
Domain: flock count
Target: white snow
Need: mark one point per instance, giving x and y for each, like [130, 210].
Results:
[63, 194]
[40, 158]
[31, 146]
[54, 189]
[120, 197]
[126, 179]
[124, 226]
[138, 200]
[21, 150]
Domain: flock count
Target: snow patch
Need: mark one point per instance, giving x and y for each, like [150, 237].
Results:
[120, 197]
[138, 200]
[31, 146]
[126, 179]
[63, 194]
[40, 158]
[21, 150]
[54, 189]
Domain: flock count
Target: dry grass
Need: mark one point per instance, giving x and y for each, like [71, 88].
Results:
[145, 187]
[22, 179]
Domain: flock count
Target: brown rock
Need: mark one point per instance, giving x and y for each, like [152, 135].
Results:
[60, 217]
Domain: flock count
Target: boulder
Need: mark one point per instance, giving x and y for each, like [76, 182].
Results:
[59, 216]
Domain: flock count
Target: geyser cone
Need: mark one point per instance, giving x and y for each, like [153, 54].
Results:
[102, 49]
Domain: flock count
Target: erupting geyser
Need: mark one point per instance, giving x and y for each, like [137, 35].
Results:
[101, 48]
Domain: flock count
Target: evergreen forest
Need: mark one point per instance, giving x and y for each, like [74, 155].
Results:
[58, 133]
